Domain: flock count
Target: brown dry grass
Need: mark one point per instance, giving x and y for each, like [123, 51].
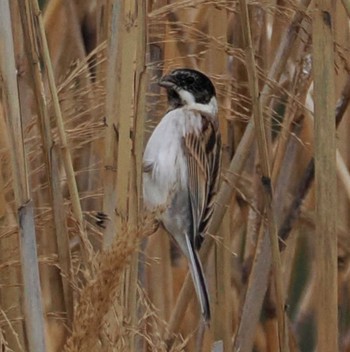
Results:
[83, 127]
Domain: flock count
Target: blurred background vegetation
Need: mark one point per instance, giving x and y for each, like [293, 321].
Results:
[79, 100]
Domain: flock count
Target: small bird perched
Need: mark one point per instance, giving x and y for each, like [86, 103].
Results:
[181, 167]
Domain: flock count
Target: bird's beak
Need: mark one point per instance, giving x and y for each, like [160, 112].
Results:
[167, 82]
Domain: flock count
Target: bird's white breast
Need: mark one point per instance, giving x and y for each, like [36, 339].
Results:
[165, 153]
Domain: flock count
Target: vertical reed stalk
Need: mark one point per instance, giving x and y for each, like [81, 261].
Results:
[11, 297]
[51, 157]
[215, 64]
[124, 140]
[113, 87]
[120, 109]
[265, 163]
[66, 154]
[111, 137]
[34, 320]
[135, 190]
[325, 177]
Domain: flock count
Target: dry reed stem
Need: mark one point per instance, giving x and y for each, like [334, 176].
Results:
[135, 186]
[111, 137]
[124, 106]
[251, 307]
[158, 276]
[325, 177]
[264, 150]
[34, 314]
[66, 154]
[125, 103]
[11, 298]
[33, 310]
[51, 160]
[256, 289]
[81, 35]
[212, 21]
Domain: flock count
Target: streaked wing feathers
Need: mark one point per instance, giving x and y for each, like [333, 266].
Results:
[203, 153]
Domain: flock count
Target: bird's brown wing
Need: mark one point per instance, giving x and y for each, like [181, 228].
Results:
[203, 153]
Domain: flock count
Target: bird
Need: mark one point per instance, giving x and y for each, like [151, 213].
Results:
[181, 166]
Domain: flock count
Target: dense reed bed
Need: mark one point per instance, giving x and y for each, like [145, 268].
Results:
[83, 267]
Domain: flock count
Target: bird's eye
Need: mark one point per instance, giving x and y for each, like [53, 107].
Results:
[190, 80]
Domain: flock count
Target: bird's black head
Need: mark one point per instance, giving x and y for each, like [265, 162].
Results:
[185, 86]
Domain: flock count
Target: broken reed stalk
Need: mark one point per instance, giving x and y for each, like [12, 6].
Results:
[231, 176]
[51, 157]
[33, 310]
[66, 155]
[265, 163]
[325, 177]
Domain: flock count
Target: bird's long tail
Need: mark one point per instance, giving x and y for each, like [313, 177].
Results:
[199, 281]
